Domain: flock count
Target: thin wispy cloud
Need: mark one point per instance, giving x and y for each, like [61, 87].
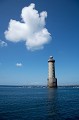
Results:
[30, 29]
[18, 64]
[3, 43]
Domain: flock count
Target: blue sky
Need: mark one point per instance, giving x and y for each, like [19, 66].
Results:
[23, 60]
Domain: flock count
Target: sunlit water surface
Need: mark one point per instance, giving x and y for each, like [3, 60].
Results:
[39, 103]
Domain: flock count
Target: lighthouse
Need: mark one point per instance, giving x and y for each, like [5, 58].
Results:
[52, 80]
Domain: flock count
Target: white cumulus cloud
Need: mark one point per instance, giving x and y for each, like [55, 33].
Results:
[30, 29]
[3, 44]
[19, 64]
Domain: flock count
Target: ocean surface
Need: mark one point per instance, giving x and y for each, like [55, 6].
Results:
[39, 103]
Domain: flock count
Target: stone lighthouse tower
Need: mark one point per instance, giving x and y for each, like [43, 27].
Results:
[52, 81]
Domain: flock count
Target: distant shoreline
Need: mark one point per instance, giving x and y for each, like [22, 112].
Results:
[37, 86]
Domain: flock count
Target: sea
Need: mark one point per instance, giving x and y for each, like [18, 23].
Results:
[39, 103]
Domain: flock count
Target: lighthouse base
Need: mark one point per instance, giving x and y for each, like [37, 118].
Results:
[52, 83]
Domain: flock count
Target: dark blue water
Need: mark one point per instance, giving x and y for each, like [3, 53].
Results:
[22, 103]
